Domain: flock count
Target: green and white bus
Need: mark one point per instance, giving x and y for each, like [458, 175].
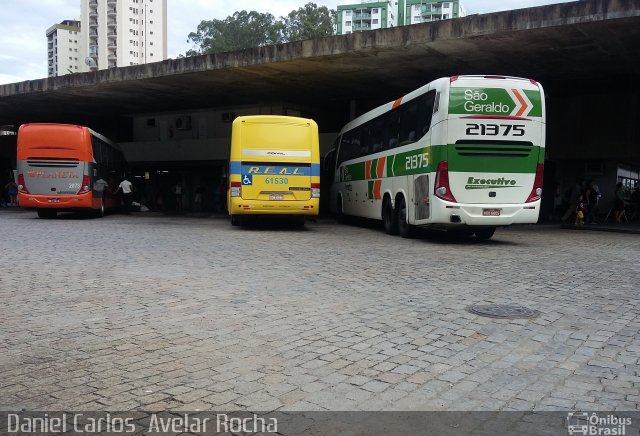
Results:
[463, 153]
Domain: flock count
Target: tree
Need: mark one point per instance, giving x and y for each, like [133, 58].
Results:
[253, 29]
[309, 22]
[241, 30]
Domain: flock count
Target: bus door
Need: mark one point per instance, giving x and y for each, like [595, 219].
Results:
[421, 199]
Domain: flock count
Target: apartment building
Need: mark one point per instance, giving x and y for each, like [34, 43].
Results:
[110, 33]
[421, 11]
[120, 33]
[376, 14]
[64, 53]
[365, 15]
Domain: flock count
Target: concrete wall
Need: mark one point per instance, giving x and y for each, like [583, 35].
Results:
[600, 125]
[163, 137]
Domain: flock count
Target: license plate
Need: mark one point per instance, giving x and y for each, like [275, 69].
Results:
[276, 197]
[54, 200]
[490, 212]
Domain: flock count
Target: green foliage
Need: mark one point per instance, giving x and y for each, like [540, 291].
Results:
[309, 22]
[241, 30]
[254, 29]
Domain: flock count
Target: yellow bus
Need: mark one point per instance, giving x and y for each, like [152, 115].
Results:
[274, 167]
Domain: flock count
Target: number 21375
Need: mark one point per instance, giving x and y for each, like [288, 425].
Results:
[416, 161]
[495, 129]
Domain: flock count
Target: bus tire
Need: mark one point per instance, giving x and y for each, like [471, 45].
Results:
[389, 217]
[298, 221]
[485, 233]
[102, 210]
[235, 220]
[405, 229]
[339, 212]
[47, 213]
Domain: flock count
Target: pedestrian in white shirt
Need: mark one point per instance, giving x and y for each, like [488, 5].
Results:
[127, 194]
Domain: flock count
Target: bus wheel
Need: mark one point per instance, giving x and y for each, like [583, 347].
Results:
[235, 220]
[404, 228]
[298, 221]
[101, 212]
[47, 213]
[485, 233]
[389, 217]
[340, 214]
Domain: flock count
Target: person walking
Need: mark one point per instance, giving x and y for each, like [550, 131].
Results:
[127, 194]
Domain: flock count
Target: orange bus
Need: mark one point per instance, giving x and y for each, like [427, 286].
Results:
[63, 167]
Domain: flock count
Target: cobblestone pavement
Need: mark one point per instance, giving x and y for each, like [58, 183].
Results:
[183, 313]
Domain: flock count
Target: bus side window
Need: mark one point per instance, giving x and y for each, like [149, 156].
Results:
[425, 113]
[329, 161]
[346, 147]
[391, 129]
[408, 122]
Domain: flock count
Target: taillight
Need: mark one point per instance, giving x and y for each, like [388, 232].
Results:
[236, 189]
[536, 192]
[315, 190]
[21, 186]
[453, 79]
[442, 189]
[85, 185]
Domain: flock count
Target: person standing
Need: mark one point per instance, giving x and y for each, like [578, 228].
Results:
[573, 201]
[12, 192]
[591, 198]
[197, 201]
[127, 194]
[177, 191]
[618, 202]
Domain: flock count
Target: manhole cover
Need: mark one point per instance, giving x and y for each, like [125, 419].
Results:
[503, 311]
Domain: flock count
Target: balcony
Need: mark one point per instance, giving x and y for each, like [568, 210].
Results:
[93, 24]
[93, 14]
[112, 45]
[112, 3]
[112, 57]
[111, 13]
[93, 3]
[365, 16]
[112, 35]
[112, 23]
[363, 26]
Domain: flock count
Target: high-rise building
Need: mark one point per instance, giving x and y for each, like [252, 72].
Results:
[365, 15]
[422, 11]
[64, 51]
[376, 14]
[118, 33]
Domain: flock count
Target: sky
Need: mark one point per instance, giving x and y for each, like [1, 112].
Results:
[23, 44]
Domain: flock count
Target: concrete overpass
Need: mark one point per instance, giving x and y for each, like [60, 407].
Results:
[595, 42]
[585, 53]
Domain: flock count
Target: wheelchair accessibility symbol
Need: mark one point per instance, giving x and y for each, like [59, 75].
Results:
[247, 179]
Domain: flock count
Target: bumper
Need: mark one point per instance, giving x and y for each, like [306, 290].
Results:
[82, 201]
[238, 206]
[444, 212]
